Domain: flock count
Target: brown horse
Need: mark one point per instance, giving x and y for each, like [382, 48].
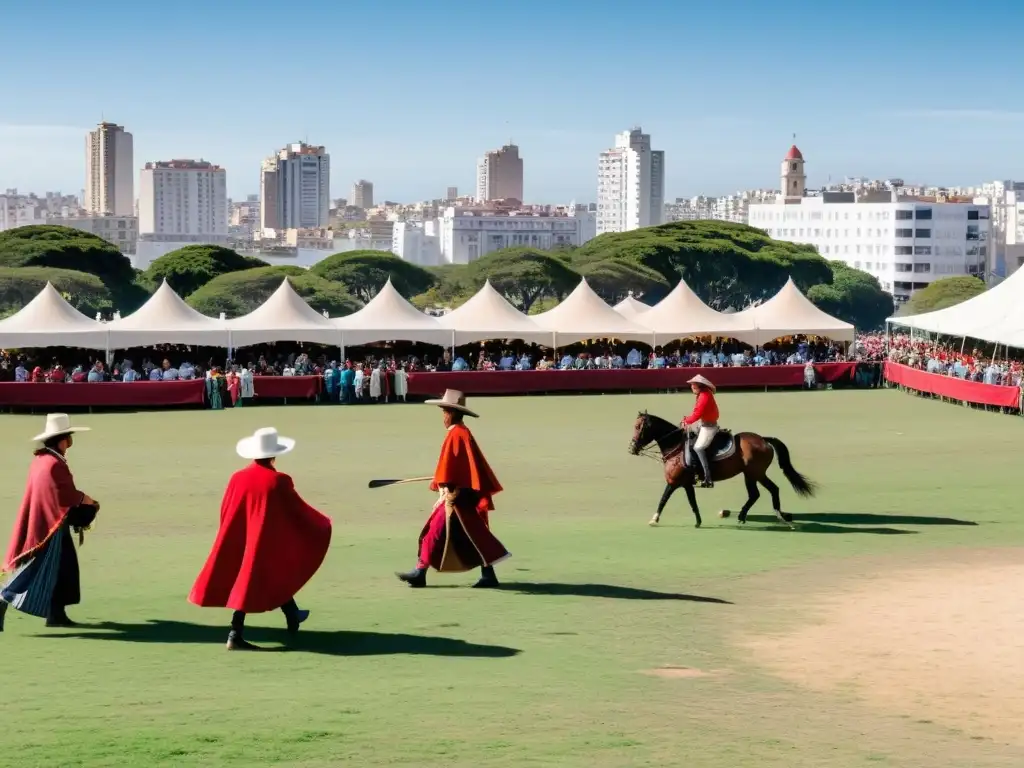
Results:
[745, 453]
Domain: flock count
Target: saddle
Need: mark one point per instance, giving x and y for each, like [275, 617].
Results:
[722, 447]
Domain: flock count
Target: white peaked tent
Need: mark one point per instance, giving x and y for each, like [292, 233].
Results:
[49, 321]
[489, 315]
[584, 315]
[790, 313]
[166, 319]
[389, 316]
[996, 315]
[630, 308]
[682, 314]
[282, 317]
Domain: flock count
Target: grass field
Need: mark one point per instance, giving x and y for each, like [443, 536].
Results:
[578, 661]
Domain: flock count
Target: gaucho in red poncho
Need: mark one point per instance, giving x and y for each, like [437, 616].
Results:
[457, 536]
[269, 545]
[41, 567]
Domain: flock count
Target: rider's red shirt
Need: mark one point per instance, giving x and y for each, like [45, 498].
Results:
[706, 409]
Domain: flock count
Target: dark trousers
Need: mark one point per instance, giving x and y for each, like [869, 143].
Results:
[238, 617]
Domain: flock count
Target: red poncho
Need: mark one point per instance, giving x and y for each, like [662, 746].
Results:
[462, 465]
[49, 494]
[269, 545]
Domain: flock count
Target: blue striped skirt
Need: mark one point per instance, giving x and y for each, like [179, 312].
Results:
[30, 587]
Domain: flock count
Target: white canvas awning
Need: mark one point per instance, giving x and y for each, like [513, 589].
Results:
[682, 314]
[389, 317]
[489, 315]
[630, 308]
[49, 321]
[996, 315]
[282, 317]
[167, 319]
[584, 315]
[790, 313]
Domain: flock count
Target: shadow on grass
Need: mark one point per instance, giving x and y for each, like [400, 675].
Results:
[863, 518]
[806, 527]
[331, 643]
[601, 590]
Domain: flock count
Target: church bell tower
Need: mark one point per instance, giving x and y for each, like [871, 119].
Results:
[794, 179]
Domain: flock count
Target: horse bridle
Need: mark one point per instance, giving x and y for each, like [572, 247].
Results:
[652, 450]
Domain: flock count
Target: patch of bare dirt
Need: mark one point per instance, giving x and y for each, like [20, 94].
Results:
[939, 642]
[676, 673]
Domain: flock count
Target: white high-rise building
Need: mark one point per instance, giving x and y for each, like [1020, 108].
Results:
[184, 201]
[499, 175]
[630, 184]
[109, 171]
[295, 188]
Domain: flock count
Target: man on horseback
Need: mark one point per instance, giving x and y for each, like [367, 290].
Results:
[703, 420]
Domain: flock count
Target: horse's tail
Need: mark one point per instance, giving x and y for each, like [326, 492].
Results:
[801, 484]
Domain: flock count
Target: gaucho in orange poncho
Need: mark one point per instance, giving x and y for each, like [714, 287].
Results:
[457, 536]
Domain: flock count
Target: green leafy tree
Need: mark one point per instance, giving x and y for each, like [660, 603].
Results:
[239, 293]
[364, 273]
[728, 265]
[524, 275]
[615, 280]
[853, 296]
[188, 269]
[45, 245]
[85, 292]
[943, 293]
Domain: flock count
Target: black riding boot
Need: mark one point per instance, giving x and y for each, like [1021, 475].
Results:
[417, 577]
[702, 455]
[236, 642]
[487, 578]
[3, 613]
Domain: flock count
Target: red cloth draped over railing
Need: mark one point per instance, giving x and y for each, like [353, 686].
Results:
[149, 394]
[952, 387]
[619, 380]
[298, 387]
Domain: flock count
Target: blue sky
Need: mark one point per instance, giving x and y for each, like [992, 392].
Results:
[408, 94]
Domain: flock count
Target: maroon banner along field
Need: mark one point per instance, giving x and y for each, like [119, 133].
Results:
[147, 394]
[953, 387]
[618, 380]
[298, 387]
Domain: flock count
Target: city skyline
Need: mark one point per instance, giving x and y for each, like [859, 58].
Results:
[856, 116]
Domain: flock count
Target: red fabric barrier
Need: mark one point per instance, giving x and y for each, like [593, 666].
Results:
[952, 387]
[523, 382]
[112, 393]
[298, 387]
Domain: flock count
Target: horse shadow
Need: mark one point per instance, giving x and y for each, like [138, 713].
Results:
[855, 522]
[326, 642]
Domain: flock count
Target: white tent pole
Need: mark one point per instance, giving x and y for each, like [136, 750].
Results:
[963, 344]
[342, 347]
[453, 346]
[554, 348]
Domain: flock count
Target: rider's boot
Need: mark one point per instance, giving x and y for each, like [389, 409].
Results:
[702, 455]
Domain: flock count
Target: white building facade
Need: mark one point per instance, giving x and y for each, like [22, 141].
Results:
[183, 201]
[109, 171]
[417, 242]
[295, 188]
[1006, 242]
[467, 234]
[630, 184]
[904, 242]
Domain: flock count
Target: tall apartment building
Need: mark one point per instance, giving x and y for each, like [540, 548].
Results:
[183, 201]
[1006, 247]
[109, 171]
[630, 184]
[295, 188]
[499, 175]
[362, 194]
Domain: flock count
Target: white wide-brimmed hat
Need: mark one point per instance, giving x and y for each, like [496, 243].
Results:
[453, 400]
[698, 379]
[264, 443]
[57, 424]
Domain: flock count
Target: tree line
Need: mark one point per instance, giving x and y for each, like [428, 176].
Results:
[728, 265]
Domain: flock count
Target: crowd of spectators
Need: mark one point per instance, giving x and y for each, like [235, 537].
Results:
[946, 359]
